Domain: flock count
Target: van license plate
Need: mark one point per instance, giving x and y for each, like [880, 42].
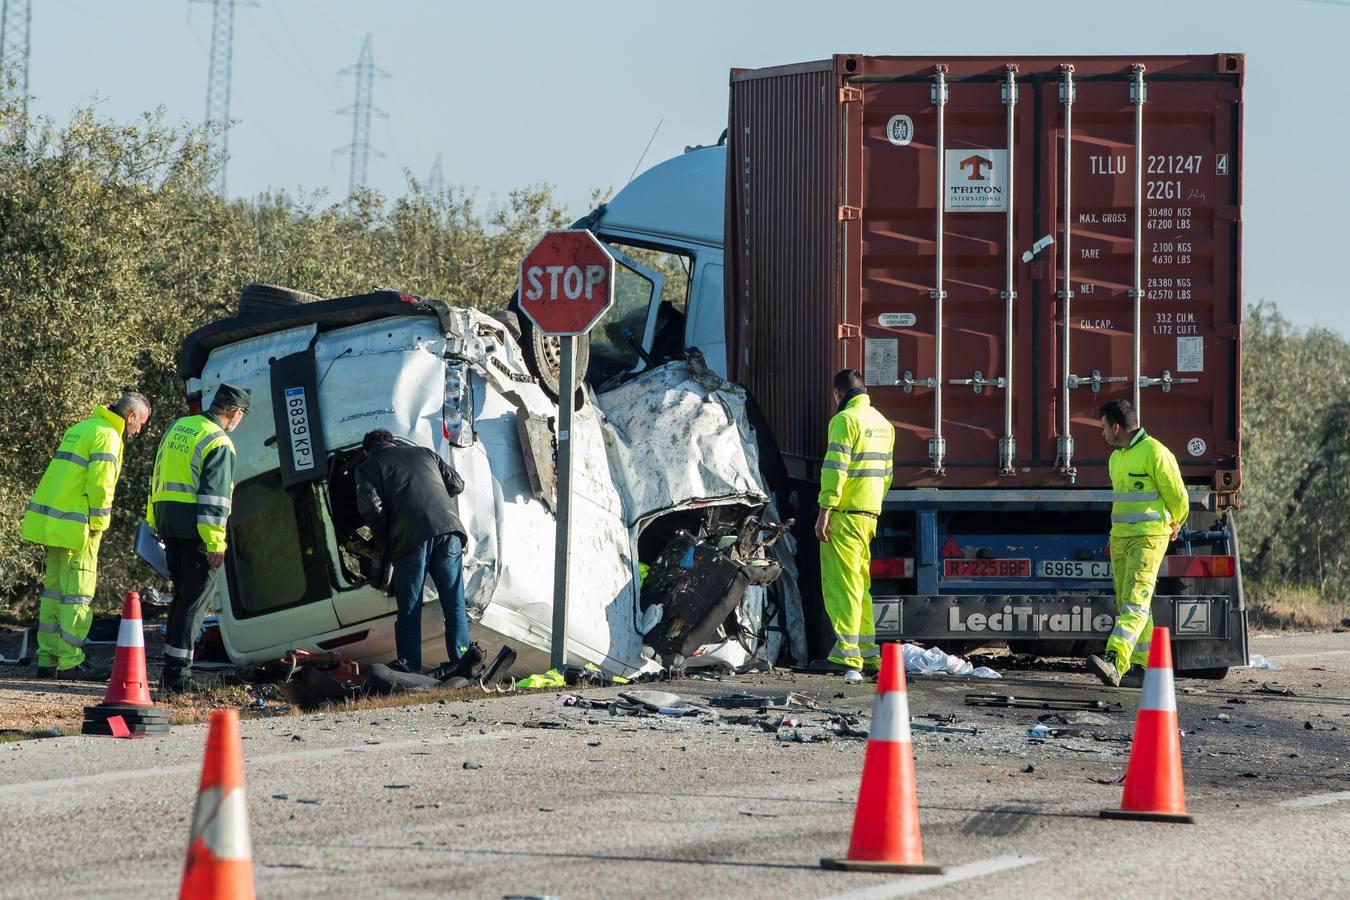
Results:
[987, 568]
[297, 421]
[1073, 568]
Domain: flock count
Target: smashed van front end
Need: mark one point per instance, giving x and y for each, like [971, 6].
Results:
[325, 373]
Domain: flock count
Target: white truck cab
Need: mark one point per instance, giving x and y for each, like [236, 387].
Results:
[676, 207]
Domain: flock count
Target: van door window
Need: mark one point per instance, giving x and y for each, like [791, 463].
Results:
[278, 552]
[637, 290]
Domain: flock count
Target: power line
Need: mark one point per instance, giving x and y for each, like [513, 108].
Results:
[361, 110]
[16, 17]
[219, 75]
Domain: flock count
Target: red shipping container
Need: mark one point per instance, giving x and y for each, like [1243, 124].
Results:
[872, 198]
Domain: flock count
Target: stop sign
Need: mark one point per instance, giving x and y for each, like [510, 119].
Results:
[566, 282]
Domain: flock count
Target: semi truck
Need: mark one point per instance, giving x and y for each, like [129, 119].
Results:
[999, 245]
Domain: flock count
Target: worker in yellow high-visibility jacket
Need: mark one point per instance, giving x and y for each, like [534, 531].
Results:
[191, 496]
[854, 479]
[68, 514]
[1149, 504]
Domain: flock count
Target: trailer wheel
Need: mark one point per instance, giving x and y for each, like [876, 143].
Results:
[1218, 673]
[261, 297]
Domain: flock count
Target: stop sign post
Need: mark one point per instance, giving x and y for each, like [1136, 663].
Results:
[566, 286]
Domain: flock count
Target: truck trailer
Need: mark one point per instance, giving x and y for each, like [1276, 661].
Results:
[1000, 245]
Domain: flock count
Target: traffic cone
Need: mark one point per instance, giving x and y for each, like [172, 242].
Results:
[219, 862]
[1154, 791]
[886, 821]
[128, 693]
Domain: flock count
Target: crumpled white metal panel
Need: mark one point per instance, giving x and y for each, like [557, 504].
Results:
[678, 436]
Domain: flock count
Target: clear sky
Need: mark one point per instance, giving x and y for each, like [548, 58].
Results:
[517, 93]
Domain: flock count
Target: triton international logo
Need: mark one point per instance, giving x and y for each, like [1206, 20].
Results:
[977, 166]
[977, 180]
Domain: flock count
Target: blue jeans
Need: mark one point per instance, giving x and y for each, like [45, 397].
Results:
[441, 559]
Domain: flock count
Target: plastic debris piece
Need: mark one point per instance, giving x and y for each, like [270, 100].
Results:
[1257, 661]
[934, 661]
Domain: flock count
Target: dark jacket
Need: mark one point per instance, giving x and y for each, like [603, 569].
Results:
[407, 495]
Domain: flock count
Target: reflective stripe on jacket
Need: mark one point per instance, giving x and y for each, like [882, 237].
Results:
[192, 487]
[1147, 493]
[858, 463]
[75, 495]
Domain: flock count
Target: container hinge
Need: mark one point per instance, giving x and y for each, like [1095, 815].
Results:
[1064, 295]
[1138, 88]
[1007, 295]
[850, 95]
[937, 295]
[847, 332]
[978, 382]
[909, 382]
[1142, 295]
[1094, 381]
[1166, 381]
[849, 213]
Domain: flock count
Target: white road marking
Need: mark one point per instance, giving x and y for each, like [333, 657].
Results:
[101, 778]
[1316, 800]
[1284, 656]
[917, 884]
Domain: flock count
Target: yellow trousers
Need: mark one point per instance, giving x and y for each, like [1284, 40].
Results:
[1134, 569]
[846, 582]
[65, 614]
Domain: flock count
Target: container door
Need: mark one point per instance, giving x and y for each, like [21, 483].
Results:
[941, 199]
[1141, 283]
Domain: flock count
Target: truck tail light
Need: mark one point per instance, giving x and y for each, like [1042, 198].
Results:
[1198, 567]
[893, 567]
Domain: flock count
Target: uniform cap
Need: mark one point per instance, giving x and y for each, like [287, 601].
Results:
[230, 395]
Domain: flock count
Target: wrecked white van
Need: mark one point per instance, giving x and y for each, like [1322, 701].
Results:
[665, 457]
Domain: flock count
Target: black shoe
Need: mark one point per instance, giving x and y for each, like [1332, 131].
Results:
[1104, 667]
[44, 672]
[1133, 678]
[85, 671]
[183, 685]
[829, 667]
[401, 665]
[469, 666]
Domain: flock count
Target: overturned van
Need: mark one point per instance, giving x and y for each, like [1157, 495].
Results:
[665, 456]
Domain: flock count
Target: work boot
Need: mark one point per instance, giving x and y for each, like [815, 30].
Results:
[401, 665]
[825, 665]
[44, 672]
[1133, 678]
[183, 684]
[85, 671]
[1104, 667]
[469, 666]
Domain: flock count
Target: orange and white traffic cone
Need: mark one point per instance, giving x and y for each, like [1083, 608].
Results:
[1154, 790]
[128, 694]
[886, 822]
[219, 862]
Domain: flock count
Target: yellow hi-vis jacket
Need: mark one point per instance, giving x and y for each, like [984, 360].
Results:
[75, 495]
[858, 463]
[192, 487]
[1147, 493]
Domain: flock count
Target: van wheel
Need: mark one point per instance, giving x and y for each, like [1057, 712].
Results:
[265, 297]
[543, 354]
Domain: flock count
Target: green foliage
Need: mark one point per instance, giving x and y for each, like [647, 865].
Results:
[114, 247]
[1296, 454]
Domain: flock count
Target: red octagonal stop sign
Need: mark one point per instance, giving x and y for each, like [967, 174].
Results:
[566, 282]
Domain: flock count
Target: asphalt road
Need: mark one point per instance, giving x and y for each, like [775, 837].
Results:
[573, 803]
